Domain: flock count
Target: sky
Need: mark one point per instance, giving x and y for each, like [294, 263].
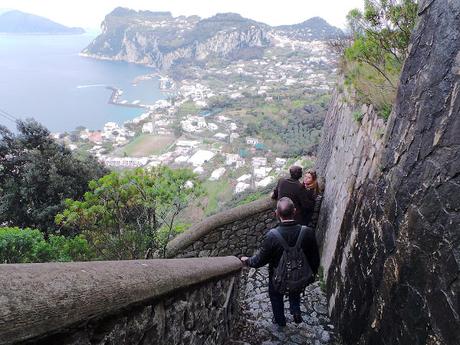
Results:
[90, 13]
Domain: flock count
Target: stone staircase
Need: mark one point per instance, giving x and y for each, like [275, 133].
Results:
[255, 326]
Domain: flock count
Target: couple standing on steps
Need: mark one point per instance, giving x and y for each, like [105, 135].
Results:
[290, 249]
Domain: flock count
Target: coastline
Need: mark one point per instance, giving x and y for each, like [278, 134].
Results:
[106, 58]
[116, 93]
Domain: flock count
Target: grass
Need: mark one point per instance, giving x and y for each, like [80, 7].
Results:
[358, 116]
[322, 283]
[252, 197]
[216, 193]
[187, 108]
[370, 87]
[145, 145]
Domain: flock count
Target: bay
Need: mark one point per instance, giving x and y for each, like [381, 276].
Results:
[44, 78]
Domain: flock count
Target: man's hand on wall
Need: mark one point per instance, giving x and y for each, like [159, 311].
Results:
[244, 260]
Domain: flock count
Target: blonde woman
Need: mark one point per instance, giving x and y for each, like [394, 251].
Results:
[310, 182]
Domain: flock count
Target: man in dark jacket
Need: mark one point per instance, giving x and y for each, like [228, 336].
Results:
[271, 252]
[294, 190]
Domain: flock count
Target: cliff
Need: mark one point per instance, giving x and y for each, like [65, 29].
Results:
[158, 39]
[389, 225]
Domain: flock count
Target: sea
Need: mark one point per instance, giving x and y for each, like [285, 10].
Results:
[44, 78]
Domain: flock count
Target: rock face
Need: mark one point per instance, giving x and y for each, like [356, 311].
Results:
[161, 40]
[391, 238]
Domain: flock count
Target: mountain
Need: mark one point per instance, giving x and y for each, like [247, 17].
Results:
[20, 22]
[161, 40]
[158, 39]
[315, 28]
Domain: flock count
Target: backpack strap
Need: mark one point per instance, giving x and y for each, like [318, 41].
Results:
[281, 239]
[303, 231]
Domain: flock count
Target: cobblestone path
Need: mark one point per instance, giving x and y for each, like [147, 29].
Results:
[256, 328]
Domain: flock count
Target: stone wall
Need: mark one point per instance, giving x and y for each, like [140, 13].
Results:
[179, 301]
[348, 156]
[238, 231]
[390, 232]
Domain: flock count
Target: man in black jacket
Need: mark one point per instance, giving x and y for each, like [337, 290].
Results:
[271, 252]
[294, 190]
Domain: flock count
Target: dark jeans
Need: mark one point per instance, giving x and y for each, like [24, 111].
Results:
[277, 301]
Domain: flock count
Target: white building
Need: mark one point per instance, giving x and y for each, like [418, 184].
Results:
[126, 162]
[259, 162]
[194, 124]
[231, 158]
[200, 157]
[181, 159]
[234, 136]
[280, 162]
[241, 187]
[220, 136]
[265, 182]
[147, 127]
[217, 174]
[187, 143]
[262, 172]
[244, 178]
[198, 170]
[252, 141]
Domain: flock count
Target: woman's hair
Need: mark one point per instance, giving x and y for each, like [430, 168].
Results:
[314, 185]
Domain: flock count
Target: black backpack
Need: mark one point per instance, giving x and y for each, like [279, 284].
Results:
[293, 272]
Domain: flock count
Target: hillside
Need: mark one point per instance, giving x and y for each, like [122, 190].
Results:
[24, 23]
[315, 28]
[161, 40]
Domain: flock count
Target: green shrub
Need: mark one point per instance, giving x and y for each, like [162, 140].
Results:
[121, 213]
[28, 245]
[358, 116]
[372, 62]
[320, 278]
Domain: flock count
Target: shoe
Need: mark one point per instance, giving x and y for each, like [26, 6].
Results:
[276, 323]
[278, 327]
[298, 318]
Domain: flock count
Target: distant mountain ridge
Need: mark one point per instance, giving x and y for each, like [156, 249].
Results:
[158, 39]
[17, 22]
[316, 28]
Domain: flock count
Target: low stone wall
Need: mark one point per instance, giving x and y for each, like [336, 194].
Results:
[180, 301]
[238, 231]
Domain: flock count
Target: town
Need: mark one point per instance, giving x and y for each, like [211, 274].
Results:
[225, 121]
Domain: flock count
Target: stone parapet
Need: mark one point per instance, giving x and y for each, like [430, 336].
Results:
[143, 301]
[238, 231]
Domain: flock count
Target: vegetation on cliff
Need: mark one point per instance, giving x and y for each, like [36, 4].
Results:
[372, 62]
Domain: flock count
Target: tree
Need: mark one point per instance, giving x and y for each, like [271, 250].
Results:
[27, 245]
[37, 174]
[123, 212]
[381, 35]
